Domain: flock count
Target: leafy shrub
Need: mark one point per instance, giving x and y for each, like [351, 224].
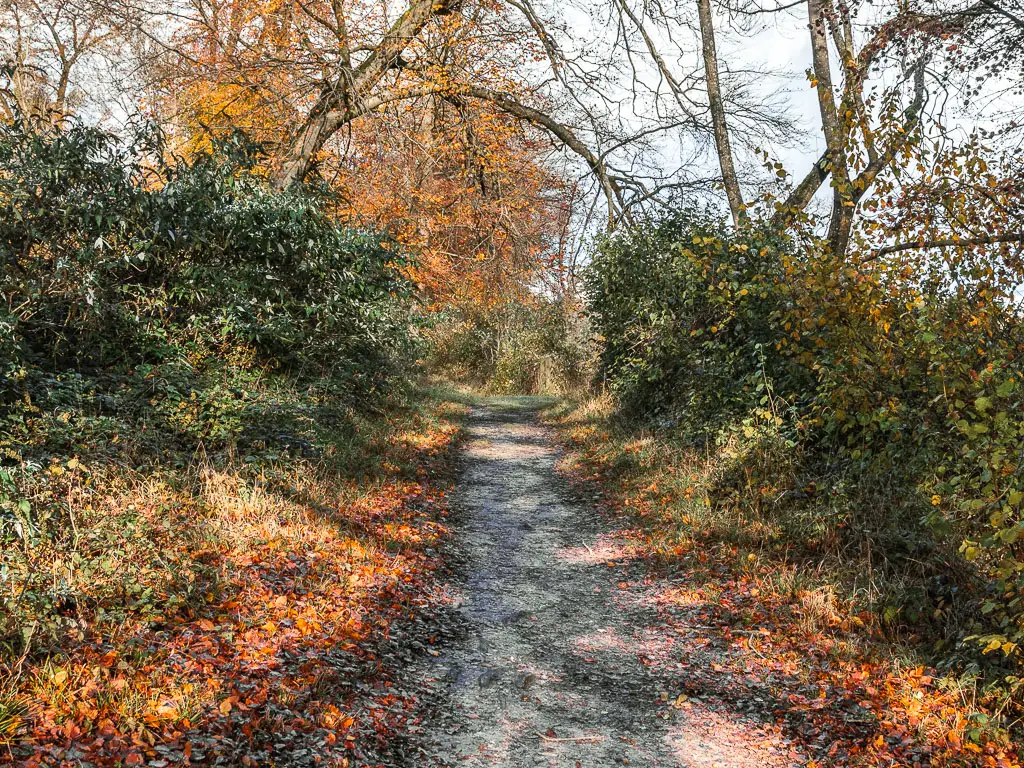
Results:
[887, 388]
[135, 280]
[531, 347]
[687, 313]
[120, 256]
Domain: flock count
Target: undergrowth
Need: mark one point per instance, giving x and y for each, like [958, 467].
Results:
[865, 621]
[242, 607]
[220, 506]
[869, 409]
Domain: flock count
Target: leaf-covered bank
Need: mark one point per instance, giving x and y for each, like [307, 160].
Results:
[845, 424]
[220, 504]
[784, 625]
[238, 610]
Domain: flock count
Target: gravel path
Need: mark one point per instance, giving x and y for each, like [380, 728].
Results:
[562, 663]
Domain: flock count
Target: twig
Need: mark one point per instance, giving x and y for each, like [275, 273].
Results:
[953, 242]
[571, 738]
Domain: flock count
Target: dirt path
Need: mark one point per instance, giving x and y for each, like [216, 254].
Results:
[564, 664]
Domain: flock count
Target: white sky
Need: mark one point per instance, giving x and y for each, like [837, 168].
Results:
[779, 47]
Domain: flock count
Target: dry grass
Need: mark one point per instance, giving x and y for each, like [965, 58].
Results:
[253, 561]
[743, 521]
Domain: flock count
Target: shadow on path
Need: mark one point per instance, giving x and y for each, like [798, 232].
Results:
[564, 659]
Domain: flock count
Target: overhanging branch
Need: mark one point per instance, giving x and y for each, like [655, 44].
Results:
[949, 242]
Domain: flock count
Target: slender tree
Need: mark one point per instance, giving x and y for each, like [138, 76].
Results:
[718, 118]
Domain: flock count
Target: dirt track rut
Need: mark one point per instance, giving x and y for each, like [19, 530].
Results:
[560, 665]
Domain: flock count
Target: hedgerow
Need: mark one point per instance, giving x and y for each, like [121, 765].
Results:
[194, 374]
[134, 282]
[864, 405]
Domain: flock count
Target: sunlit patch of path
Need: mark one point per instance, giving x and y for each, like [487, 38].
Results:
[565, 663]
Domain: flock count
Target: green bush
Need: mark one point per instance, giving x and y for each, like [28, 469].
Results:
[117, 253]
[137, 284]
[688, 315]
[893, 393]
[517, 347]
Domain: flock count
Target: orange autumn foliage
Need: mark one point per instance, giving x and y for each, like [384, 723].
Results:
[460, 183]
[467, 190]
[290, 633]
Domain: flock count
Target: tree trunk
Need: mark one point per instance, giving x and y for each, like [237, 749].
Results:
[725, 159]
[342, 97]
[297, 158]
[842, 204]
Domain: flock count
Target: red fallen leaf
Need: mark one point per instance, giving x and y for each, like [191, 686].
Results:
[133, 758]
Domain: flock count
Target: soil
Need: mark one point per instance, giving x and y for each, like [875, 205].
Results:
[563, 661]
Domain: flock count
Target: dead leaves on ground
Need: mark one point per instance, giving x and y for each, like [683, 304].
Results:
[791, 660]
[288, 655]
